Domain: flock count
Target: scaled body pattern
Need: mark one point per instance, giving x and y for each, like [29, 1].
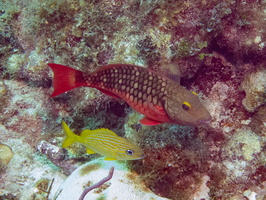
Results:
[158, 98]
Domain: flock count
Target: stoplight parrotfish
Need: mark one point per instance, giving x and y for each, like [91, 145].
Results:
[159, 98]
[104, 142]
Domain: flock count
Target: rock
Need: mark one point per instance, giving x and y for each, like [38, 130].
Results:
[123, 185]
[254, 85]
[6, 154]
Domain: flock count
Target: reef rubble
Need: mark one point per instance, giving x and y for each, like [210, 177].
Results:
[219, 50]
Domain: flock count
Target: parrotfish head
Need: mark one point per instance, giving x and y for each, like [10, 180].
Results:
[129, 152]
[184, 107]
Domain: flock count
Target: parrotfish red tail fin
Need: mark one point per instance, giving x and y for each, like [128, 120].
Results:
[70, 136]
[65, 78]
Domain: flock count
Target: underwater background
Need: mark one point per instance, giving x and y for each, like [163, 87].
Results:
[219, 50]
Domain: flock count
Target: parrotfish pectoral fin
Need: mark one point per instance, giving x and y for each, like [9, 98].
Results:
[110, 159]
[65, 78]
[158, 109]
[149, 122]
[89, 151]
[71, 137]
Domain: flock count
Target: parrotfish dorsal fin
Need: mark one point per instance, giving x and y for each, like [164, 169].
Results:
[174, 78]
[172, 72]
[105, 67]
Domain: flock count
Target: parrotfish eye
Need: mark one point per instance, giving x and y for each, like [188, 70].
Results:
[129, 152]
[186, 106]
[195, 93]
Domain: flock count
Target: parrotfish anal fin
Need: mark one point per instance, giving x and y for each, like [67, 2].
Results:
[89, 151]
[149, 122]
[108, 93]
[107, 158]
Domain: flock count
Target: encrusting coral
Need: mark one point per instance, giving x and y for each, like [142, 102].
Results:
[219, 49]
[254, 85]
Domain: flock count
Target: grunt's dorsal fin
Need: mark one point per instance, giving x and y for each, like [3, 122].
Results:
[87, 132]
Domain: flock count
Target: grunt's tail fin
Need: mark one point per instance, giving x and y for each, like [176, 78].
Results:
[70, 136]
[65, 78]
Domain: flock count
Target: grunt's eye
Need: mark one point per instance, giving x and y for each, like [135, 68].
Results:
[129, 152]
[186, 106]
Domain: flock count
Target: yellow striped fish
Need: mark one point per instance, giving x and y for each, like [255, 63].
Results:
[104, 142]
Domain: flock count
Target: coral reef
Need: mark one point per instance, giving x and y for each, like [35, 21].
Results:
[219, 50]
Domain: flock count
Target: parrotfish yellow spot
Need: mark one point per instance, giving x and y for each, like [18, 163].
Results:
[186, 106]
